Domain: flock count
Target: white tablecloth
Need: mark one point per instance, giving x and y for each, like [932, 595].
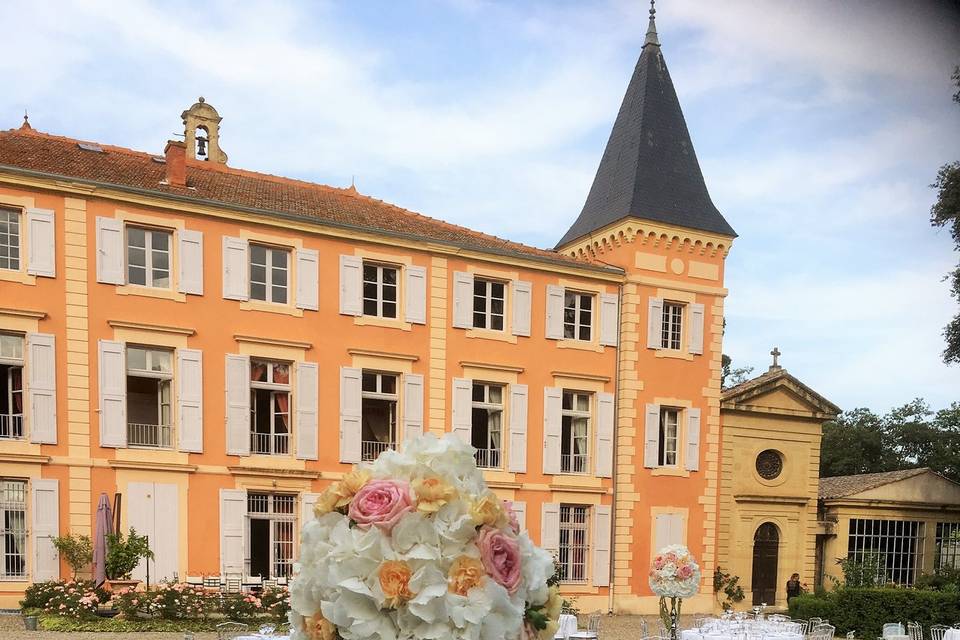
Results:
[568, 625]
[951, 634]
[694, 634]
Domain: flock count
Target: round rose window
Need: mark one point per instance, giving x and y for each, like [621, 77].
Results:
[769, 464]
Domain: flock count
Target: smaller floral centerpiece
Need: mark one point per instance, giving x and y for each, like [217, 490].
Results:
[675, 574]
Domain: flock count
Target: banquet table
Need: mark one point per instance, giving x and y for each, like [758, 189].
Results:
[951, 634]
[738, 633]
[568, 625]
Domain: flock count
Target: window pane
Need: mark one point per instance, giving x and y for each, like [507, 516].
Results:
[585, 333]
[279, 258]
[479, 303]
[586, 302]
[137, 257]
[279, 295]
[477, 394]
[388, 384]
[258, 254]
[496, 394]
[389, 293]
[161, 279]
[369, 381]
[160, 240]
[389, 309]
[496, 290]
[496, 323]
[389, 276]
[258, 291]
[569, 299]
[136, 237]
[11, 346]
[568, 331]
[496, 306]
[136, 358]
[258, 273]
[369, 307]
[479, 321]
[161, 260]
[370, 290]
[369, 273]
[161, 361]
[567, 402]
[583, 402]
[479, 288]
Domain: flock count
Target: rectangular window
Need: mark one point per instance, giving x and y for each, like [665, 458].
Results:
[577, 316]
[269, 407]
[488, 304]
[148, 257]
[149, 382]
[488, 424]
[669, 437]
[269, 269]
[672, 328]
[379, 290]
[574, 543]
[13, 529]
[10, 239]
[575, 436]
[11, 387]
[892, 548]
[947, 546]
[271, 529]
[379, 413]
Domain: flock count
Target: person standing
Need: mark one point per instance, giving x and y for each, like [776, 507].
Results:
[794, 588]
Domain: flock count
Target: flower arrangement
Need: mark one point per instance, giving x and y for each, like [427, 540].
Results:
[415, 545]
[674, 574]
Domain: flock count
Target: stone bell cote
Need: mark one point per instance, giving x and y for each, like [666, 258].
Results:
[201, 124]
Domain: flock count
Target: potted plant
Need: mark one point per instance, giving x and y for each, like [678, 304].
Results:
[76, 550]
[123, 556]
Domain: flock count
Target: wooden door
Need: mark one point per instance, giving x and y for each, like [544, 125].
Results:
[766, 545]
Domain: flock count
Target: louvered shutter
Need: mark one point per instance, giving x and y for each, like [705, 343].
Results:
[113, 394]
[695, 343]
[601, 545]
[233, 511]
[190, 399]
[42, 390]
[351, 413]
[462, 409]
[604, 444]
[609, 319]
[41, 234]
[415, 289]
[550, 528]
[662, 531]
[110, 251]
[166, 539]
[307, 502]
[190, 245]
[351, 286]
[552, 428]
[139, 501]
[651, 436]
[462, 300]
[236, 269]
[554, 312]
[520, 511]
[518, 428]
[307, 400]
[45, 520]
[308, 279]
[238, 405]
[692, 461]
[412, 406]
[521, 297]
[654, 323]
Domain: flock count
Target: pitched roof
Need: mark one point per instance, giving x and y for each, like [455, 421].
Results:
[649, 169]
[842, 486]
[28, 151]
[767, 381]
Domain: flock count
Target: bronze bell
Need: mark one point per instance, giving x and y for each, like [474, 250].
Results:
[201, 147]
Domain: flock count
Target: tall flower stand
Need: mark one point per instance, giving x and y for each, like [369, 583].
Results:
[671, 615]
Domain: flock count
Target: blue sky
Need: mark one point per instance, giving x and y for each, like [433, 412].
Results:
[818, 126]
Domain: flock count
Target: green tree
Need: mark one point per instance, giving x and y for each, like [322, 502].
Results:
[730, 377]
[945, 212]
[854, 443]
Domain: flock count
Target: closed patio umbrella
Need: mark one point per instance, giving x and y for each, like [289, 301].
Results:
[104, 527]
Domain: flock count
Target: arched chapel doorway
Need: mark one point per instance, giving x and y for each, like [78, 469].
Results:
[766, 546]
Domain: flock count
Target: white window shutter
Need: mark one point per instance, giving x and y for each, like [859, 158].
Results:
[238, 405]
[462, 409]
[677, 530]
[662, 531]
[609, 319]
[190, 399]
[521, 297]
[308, 279]
[45, 516]
[351, 286]
[692, 461]
[520, 510]
[554, 312]
[604, 431]
[601, 545]
[695, 342]
[42, 252]
[552, 428]
[307, 502]
[651, 436]
[550, 528]
[412, 406]
[307, 393]
[190, 246]
[518, 428]
[42, 389]
[462, 300]
[654, 323]
[113, 394]
[351, 414]
[110, 251]
[233, 511]
[415, 286]
[236, 269]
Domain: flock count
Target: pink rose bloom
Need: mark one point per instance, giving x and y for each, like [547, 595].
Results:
[500, 555]
[381, 503]
[511, 516]
[658, 563]
[685, 572]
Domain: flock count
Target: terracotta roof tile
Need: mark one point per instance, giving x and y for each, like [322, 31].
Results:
[842, 486]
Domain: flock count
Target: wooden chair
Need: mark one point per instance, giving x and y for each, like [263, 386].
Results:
[269, 583]
[211, 583]
[233, 584]
[230, 630]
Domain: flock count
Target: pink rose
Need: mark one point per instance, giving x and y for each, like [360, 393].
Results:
[381, 503]
[685, 572]
[500, 555]
[511, 516]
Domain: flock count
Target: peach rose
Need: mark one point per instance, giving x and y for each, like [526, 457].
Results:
[319, 628]
[381, 503]
[349, 485]
[432, 493]
[500, 554]
[326, 503]
[488, 510]
[395, 582]
[465, 574]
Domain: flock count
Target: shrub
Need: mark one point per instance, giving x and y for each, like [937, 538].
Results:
[123, 556]
[38, 594]
[73, 599]
[241, 606]
[944, 579]
[276, 603]
[806, 606]
[168, 602]
[76, 550]
[119, 625]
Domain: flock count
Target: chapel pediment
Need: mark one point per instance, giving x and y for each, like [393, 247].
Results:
[778, 392]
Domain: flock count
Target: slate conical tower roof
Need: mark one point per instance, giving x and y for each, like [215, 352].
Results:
[649, 169]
